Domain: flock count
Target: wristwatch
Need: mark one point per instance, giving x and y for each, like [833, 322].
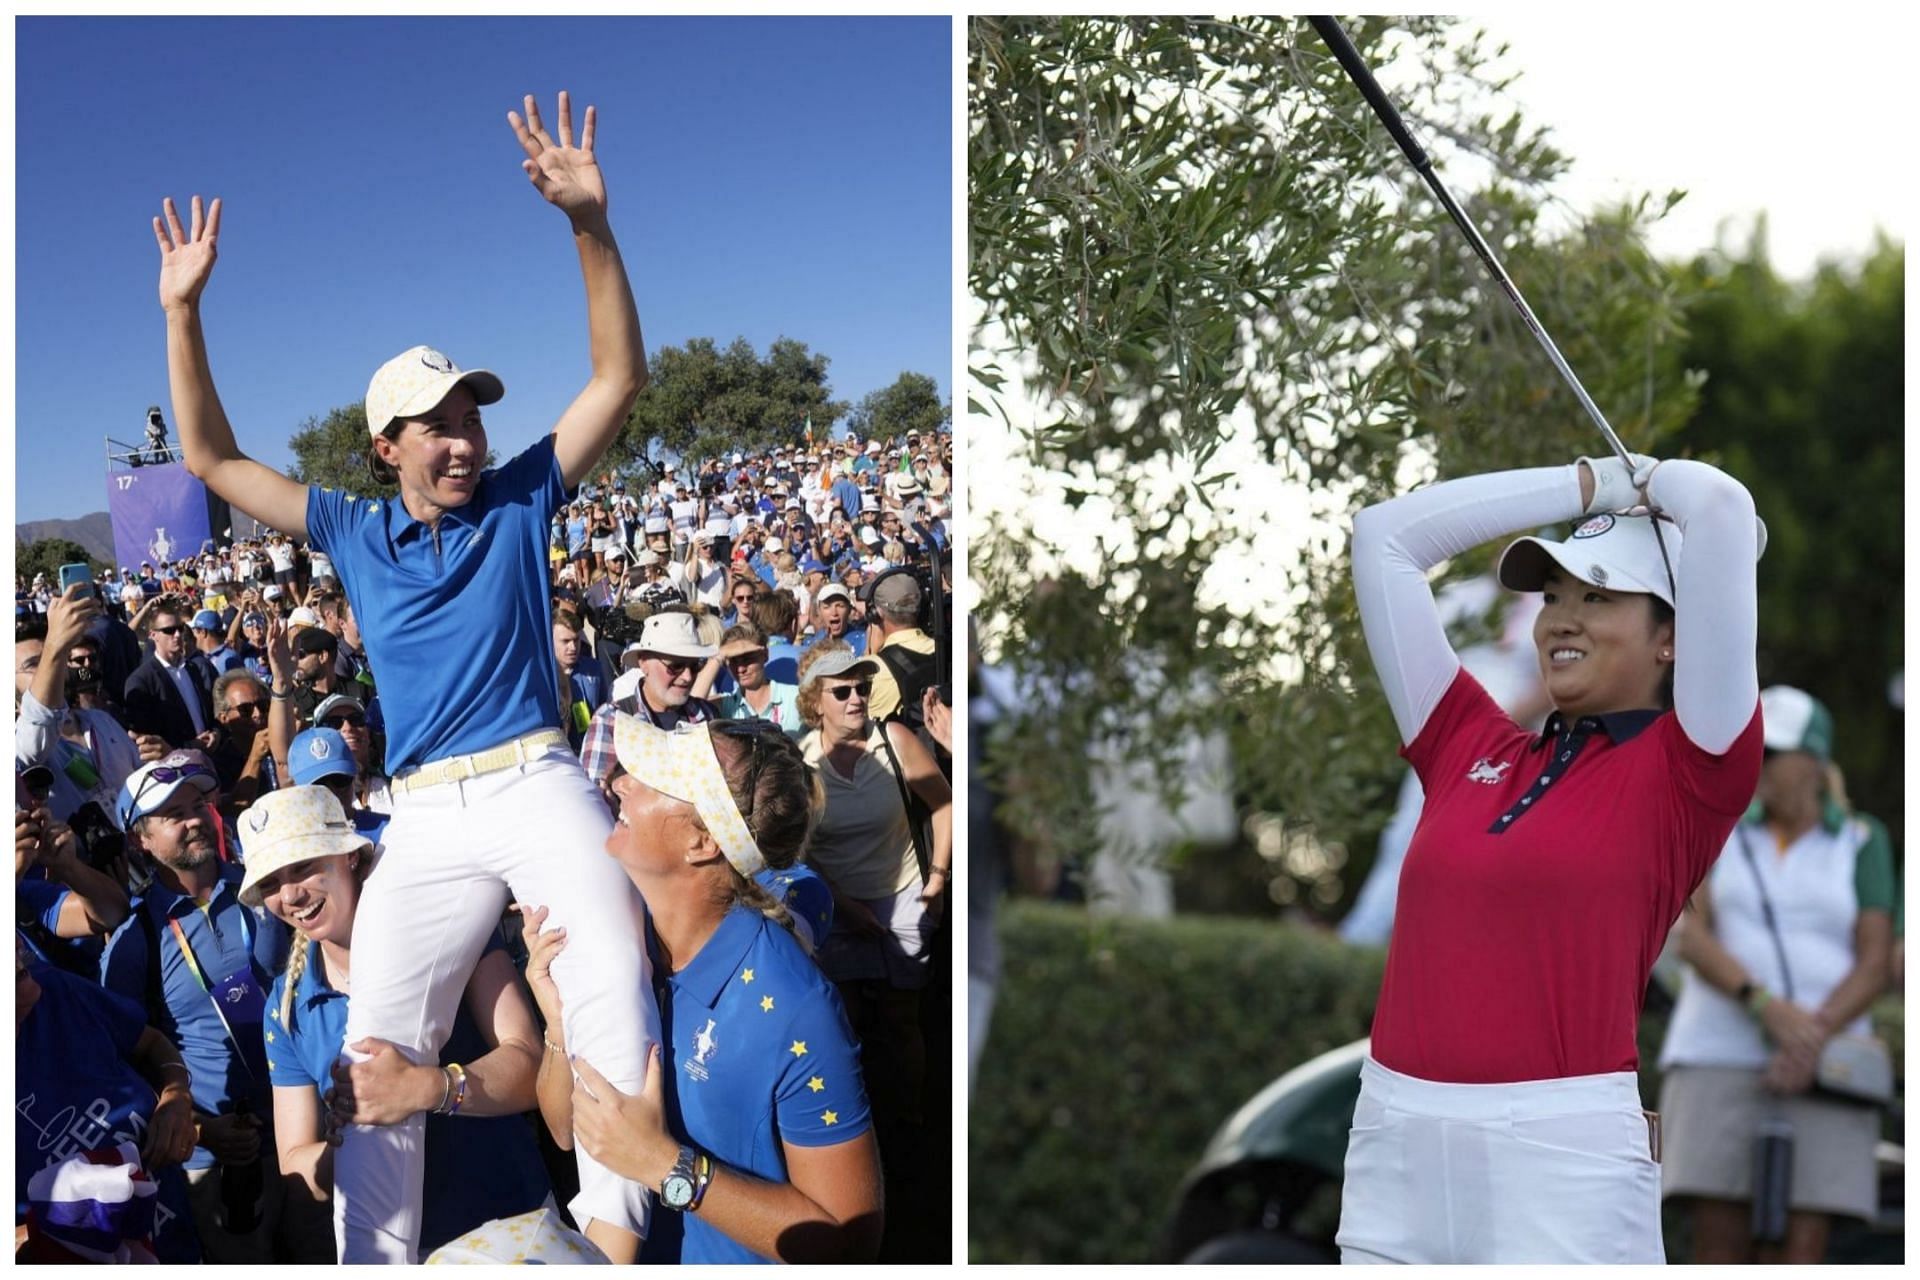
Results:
[676, 1189]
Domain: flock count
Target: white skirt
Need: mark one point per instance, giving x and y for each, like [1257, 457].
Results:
[1535, 1171]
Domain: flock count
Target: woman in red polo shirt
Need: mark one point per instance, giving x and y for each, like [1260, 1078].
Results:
[1499, 1117]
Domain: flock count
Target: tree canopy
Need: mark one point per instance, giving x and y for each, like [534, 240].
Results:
[1214, 305]
[702, 400]
[1804, 400]
[332, 452]
[911, 403]
[48, 554]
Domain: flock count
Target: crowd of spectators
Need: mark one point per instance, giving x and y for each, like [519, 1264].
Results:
[175, 997]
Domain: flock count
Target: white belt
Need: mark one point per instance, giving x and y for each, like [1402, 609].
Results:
[457, 768]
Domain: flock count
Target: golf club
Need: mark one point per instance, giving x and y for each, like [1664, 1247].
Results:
[1356, 69]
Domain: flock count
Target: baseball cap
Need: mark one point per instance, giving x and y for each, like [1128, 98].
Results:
[839, 662]
[647, 557]
[897, 593]
[677, 635]
[416, 380]
[1616, 552]
[206, 620]
[1794, 720]
[303, 617]
[319, 753]
[273, 592]
[682, 764]
[291, 825]
[254, 619]
[833, 591]
[149, 787]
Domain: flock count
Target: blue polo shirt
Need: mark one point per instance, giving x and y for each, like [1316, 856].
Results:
[76, 1090]
[478, 1168]
[762, 1056]
[456, 621]
[224, 936]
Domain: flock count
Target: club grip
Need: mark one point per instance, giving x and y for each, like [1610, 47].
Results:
[1356, 69]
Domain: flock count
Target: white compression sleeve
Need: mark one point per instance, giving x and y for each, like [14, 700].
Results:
[1716, 683]
[1397, 541]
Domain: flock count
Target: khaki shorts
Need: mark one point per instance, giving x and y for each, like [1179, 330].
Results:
[1710, 1116]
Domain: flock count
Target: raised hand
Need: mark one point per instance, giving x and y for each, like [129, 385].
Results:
[186, 255]
[542, 947]
[566, 175]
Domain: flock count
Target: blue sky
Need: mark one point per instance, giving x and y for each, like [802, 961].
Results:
[767, 177]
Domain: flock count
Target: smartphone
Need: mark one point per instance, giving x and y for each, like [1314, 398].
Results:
[80, 573]
[722, 549]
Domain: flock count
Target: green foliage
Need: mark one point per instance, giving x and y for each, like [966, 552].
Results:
[912, 403]
[1203, 273]
[332, 452]
[1805, 402]
[1117, 1049]
[47, 555]
[701, 400]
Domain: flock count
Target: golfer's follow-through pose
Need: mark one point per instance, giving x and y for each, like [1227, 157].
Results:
[449, 583]
[1499, 1117]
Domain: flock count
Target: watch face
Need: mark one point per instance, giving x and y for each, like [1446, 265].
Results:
[677, 1191]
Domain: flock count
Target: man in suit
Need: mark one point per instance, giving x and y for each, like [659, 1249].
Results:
[166, 694]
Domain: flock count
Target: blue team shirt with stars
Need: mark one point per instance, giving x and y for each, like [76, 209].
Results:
[762, 1056]
[478, 1168]
[456, 620]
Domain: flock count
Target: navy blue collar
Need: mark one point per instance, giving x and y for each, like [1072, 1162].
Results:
[1620, 726]
[706, 976]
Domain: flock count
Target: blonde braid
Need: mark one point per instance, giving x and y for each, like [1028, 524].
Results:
[296, 968]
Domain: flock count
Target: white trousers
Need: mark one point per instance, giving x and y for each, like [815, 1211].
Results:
[1537, 1171]
[451, 855]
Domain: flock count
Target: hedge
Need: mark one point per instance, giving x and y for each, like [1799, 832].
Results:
[1117, 1049]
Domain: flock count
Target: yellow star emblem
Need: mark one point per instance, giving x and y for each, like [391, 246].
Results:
[829, 1117]
[798, 1048]
[269, 1037]
[746, 975]
[766, 1004]
[816, 1084]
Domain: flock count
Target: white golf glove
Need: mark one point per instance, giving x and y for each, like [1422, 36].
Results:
[1618, 489]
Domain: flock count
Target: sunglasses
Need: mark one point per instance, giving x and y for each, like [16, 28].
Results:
[173, 630]
[841, 693]
[344, 720]
[678, 666]
[248, 708]
[747, 659]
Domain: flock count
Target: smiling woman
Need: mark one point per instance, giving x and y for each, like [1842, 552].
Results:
[306, 865]
[1546, 869]
[487, 794]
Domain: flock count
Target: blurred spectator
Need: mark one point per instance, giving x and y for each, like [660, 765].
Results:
[756, 694]
[1788, 948]
[240, 753]
[199, 963]
[86, 751]
[671, 658]
[90, 1073]
[884, 846]
[906, 668]
[166, 695]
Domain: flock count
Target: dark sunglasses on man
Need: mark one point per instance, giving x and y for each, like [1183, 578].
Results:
[343, 720]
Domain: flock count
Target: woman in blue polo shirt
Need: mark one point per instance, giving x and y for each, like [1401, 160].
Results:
[1499, 1117]
[448, 582]
[306, 863]
[756, 1132]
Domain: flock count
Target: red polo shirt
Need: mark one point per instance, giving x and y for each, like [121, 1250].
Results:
[1540, 885]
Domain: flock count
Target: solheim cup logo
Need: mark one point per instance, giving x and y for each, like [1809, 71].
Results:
[436, 362]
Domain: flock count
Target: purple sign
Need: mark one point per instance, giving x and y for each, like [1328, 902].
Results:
[159, 514]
